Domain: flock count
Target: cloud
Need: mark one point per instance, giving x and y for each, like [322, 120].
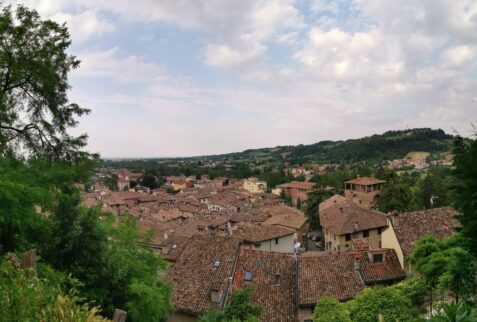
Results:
[108, 63]
[84, 25]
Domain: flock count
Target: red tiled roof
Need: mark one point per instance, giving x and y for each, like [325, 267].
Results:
[331, 201]
[330, 275]
[297, 185]
[437, 222]
[347, 217]
[194, 274]
[360, 244]
[365, 181]
[381, 272]
[272, 285]
[257, 233]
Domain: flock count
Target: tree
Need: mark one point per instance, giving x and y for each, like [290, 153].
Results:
[315, 197]
[39, 295]
[465, 159]
[389, 302]
[239, 310]
[445, 264]
[35, 113]
[329, 309]
[396, 196]
[456, 312]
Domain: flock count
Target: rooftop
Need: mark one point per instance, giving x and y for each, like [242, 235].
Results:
[271, 278]
[365, 181]
[195, 272]
[346, 217]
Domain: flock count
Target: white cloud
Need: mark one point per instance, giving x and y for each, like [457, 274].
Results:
[107, 63]
[84, 25]
[458, 56]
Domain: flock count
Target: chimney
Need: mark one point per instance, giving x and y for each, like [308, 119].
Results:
[356, 264]
[166, 235]
[217, 292]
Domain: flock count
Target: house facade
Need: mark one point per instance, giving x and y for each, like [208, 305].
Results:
[364, 191]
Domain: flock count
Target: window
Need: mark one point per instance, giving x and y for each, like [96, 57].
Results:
[216, 263]
[380, 230]
[377, 258]
[365, 233]
[276, 241]
[348, 237]
[248, 276]
[277, 278]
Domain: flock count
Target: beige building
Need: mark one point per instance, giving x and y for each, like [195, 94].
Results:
[253, 185]
[343, 221]
[404, 229]
[364, 191]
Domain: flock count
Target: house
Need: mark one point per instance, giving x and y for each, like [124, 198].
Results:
[202, 276]
[271, 278]
[344, 221]
[364, 191]
[287, 217]
[173, 246]
[342, 276]
[296, 190]
[253, 185]
[265, 238]
[404, 229]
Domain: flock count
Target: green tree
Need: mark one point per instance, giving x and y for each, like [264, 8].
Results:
[315, 197]
[329, 309]
[456, 312]
[396, 196]
[35, 113]
[446, 265]
[388, 302]
[465, 152]
[40, 295]
[240, 309]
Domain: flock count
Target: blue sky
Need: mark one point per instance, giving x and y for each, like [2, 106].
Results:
[191, 77]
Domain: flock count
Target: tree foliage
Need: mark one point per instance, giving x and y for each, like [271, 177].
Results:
[240, 309]
[465, 161]
[35, 113]
[329, 309]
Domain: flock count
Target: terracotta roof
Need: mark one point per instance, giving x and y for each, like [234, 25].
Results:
[331, 201]
[297, 185]
[360, 244]
[330, 275]
[257, 233]
[173, 246]
[194, 273]
[272, 283]
[410, 226]
[365, 181]
[292, 221]
[380, 272]
[347, 217]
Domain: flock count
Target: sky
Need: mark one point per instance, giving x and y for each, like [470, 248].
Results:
[195, 77]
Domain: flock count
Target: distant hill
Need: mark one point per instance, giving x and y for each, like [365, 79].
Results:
[378, 147]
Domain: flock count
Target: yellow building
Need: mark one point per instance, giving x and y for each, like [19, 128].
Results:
[253, 185]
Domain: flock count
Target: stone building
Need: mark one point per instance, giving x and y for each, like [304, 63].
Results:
[364, 191]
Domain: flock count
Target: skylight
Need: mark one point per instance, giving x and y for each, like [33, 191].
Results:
[216, 263]
[248, 276]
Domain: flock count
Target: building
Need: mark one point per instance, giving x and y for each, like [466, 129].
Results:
[344, 221]
[287, 217]
[271, 277]
[265, 238]
[296, 190]
[342, 276]
[404, 229]
[202, 276]
[364, 191]
[253, 185]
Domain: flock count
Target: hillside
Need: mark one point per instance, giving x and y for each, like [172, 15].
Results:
[378, 147]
